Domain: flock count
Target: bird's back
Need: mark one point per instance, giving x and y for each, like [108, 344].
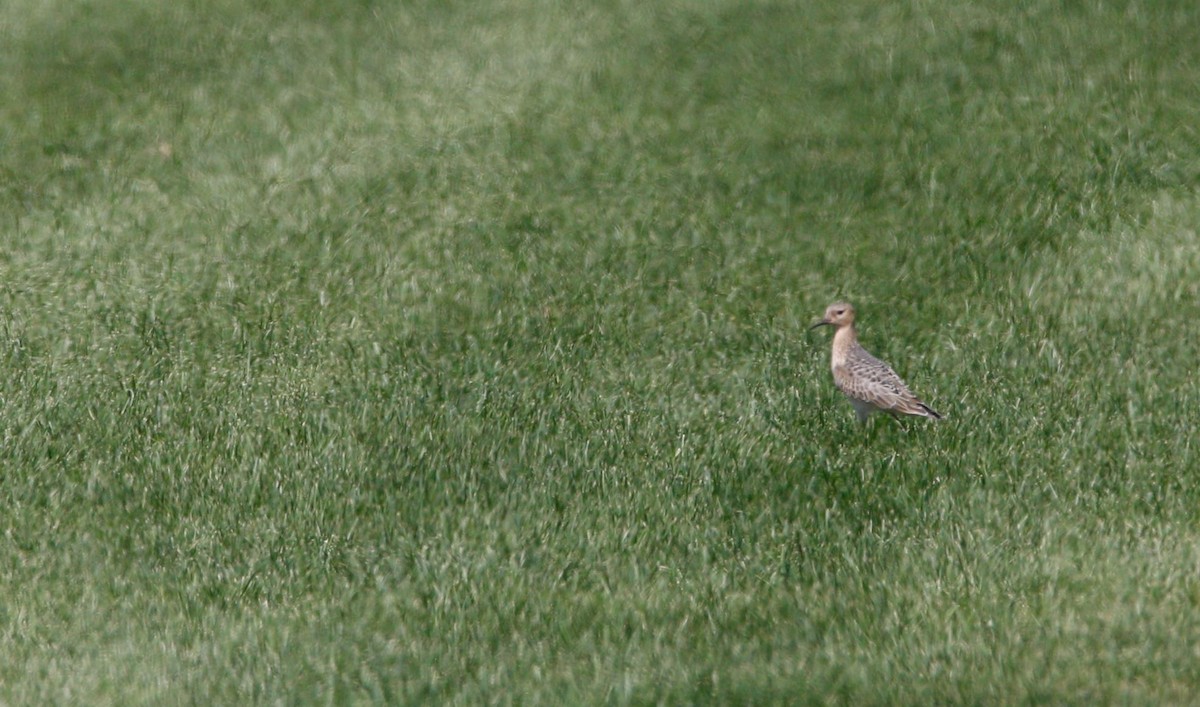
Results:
[869, 380]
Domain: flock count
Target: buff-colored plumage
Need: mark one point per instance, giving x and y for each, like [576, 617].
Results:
[871, 384]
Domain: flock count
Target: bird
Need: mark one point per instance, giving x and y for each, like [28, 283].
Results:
[871, 384]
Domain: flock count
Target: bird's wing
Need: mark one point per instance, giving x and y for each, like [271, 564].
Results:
[873, 381]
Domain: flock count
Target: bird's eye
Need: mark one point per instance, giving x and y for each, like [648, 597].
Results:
[840, 312]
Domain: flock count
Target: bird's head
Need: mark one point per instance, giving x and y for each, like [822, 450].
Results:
[837, 315]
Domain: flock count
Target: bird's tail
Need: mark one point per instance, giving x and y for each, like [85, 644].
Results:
[930, 412]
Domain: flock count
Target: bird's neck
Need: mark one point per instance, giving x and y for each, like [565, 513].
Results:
[844, 339]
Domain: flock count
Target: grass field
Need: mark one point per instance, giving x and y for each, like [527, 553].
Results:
[456, 352]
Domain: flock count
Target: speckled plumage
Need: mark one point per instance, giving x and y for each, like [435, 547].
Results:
[871, 384]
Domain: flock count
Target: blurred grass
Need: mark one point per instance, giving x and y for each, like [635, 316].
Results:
[456, 352]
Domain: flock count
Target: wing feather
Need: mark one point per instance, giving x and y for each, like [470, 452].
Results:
[872, 381]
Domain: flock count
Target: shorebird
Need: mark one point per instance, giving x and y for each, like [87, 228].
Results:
[871, 384]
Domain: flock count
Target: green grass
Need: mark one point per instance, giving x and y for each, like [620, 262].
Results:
[456, 352]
